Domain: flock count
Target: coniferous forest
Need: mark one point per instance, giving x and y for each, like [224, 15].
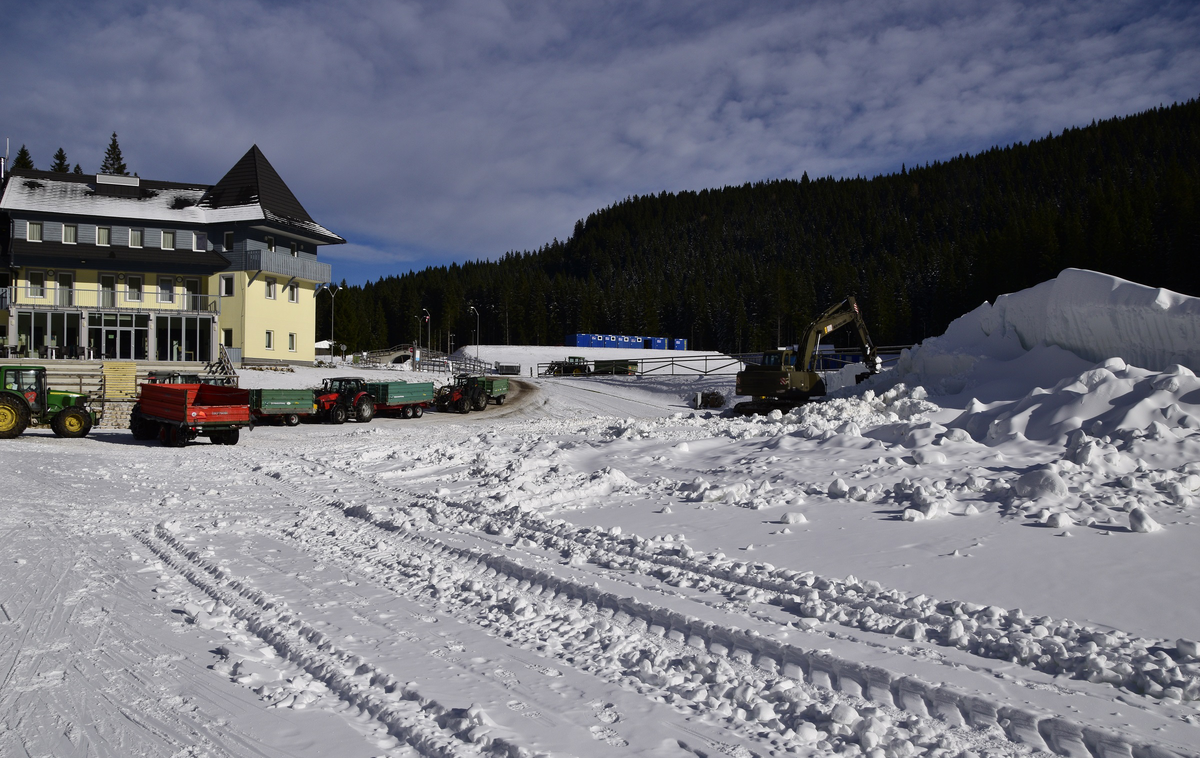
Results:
[743, 268]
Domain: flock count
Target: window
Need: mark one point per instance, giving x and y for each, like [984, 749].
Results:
[33, 232]
[70, 234]
[270, 285]
[135, 237]
[270, 340]
[271, 244]
[292, 342]
[168, 240]
[166, 289]
[227, 337]
[293, 293]
[228, 241]
[227, 285]
[37, 284]
[199, 241]
[295, 249]
[133, 289]
[103, 236]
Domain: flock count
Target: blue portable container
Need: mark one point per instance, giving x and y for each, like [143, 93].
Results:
[659, 343]
[680, 344]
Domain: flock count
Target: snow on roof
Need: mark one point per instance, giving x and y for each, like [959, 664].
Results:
[312, 227]
[72, 197]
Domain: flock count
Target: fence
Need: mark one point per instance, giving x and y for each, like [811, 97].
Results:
[431, 360]
[703, 365]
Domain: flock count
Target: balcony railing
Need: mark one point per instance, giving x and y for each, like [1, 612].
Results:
[304, 267]
[84, 297]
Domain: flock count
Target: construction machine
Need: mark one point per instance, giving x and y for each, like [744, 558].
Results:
[788, 378]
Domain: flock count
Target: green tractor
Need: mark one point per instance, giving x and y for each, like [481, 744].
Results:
[25, 401]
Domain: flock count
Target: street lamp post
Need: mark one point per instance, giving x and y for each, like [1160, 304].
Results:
[428, 331]
[332, 289]
[471, 308]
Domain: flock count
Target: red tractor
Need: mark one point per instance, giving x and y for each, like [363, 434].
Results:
[345, 397]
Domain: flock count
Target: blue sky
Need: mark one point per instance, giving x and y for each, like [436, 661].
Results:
[434, 132]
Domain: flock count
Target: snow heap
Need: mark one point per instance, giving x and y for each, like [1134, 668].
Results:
[1058, 327]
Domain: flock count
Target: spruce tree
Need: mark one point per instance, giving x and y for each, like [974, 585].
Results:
[60, 164]
[113, 162]
[23, 159]
[77, 170]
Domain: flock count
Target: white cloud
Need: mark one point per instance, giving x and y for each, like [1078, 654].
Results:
[466, 129]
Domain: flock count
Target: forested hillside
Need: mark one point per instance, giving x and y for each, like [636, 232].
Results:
[741, 268]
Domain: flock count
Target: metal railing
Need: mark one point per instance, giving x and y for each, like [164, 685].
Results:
[700, 365]
[431, 360]
[103, 298]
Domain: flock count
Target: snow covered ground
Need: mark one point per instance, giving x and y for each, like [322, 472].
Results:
[990, 551]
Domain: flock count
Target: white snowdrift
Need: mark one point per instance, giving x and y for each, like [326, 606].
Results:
[1059, 328]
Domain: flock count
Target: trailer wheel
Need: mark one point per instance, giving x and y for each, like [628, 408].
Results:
[337, 415]
[171, 435]
[406, 412]
[418, 411]
[499, 399]
[141, 427]
[14, 417]
[364, 411]
[72, 423]
[291, 419]
[225, 437]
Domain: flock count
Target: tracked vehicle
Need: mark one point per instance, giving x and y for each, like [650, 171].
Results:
[788, 378]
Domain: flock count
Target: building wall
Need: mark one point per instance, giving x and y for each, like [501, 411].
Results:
[251, 314]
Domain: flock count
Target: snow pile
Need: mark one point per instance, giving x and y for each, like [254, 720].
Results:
[1105, 400]
[1054, 329]
[850, 415]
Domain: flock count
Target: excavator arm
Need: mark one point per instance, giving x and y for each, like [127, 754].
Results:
[835, 317]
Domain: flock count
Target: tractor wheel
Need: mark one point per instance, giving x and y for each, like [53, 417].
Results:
[337, 414]
[365, 410]
[463, 405]
[418, 411]
[14, 417]
[71, 422]
[291, 419]
[478, 399]
[406, 412]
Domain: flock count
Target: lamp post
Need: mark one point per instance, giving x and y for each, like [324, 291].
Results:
[471, 309]
[332, 289]
[428, 331]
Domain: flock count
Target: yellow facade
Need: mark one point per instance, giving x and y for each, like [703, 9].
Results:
[251, 315]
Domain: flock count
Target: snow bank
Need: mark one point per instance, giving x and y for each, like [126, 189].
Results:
[1057, 327]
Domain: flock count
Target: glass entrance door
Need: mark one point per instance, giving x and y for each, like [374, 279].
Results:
[119, 336]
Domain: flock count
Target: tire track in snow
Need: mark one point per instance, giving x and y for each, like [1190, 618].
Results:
[1044, 730]
[403, 711]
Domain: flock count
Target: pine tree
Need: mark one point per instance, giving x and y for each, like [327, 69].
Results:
[23, 159]
[60, 164]
[113, 162]
[77, 170]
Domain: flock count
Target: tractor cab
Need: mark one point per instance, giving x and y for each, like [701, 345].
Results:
[29, 383]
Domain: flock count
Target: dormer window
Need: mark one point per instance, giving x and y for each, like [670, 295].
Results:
[33, 232]
[70, 234]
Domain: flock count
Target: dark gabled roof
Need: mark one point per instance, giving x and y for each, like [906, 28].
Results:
[253, 180]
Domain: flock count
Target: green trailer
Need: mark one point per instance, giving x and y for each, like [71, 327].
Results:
[283, 406]
[495, 388]
[404, 399]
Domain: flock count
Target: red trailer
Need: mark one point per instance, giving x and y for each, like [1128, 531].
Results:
[177, 413]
